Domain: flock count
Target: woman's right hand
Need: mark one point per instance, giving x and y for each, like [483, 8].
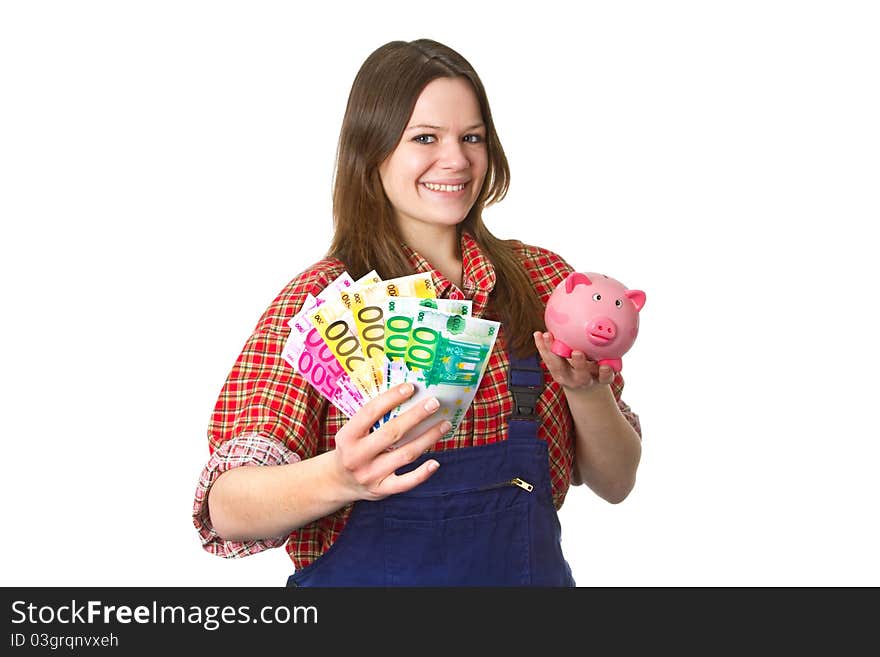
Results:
[363, 462]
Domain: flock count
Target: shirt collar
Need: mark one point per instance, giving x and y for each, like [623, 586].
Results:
[477, 272]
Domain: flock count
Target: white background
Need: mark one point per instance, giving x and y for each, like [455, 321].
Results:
[165, 169]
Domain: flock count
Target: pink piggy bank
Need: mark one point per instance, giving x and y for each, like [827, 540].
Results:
[594, 314]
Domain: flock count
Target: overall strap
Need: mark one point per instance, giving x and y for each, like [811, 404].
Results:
[525, 381]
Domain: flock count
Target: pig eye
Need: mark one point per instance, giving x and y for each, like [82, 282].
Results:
[597, 297]
[618, 303]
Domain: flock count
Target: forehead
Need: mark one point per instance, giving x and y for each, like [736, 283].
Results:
[447, 101]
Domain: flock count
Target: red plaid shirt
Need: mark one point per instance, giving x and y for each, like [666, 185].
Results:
[268, 414]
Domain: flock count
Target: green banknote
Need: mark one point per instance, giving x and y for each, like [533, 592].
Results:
[444, 355]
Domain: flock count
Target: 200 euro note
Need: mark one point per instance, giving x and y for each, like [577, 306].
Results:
[367, 308]
[335, 324]
[445, 357]
[370, 278]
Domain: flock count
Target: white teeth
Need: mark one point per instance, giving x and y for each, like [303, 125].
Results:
[444, 188]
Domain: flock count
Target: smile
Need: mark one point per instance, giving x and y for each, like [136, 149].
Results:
[444, 188]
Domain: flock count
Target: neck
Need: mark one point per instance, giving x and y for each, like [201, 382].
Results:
[439, 245]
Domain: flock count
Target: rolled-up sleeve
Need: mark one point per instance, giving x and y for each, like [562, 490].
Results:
[246, 450]
[266, 413]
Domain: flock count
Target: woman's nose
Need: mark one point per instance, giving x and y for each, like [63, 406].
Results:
[452, 155]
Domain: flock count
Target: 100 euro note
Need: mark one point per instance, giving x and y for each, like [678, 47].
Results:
[370, 307]
[404, 311]
[445, 356]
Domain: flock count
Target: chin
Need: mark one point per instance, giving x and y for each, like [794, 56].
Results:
[448, 219]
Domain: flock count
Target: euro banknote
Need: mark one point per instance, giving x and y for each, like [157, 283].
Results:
[357, 338]
[310, 356]
[367, 304]
[335, 324]
[444, 356]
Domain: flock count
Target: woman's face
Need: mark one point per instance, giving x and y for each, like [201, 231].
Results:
[436, 172]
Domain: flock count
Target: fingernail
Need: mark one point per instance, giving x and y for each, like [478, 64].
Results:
[433, 465]
[405, 389]
[432, 405]
[446, 426]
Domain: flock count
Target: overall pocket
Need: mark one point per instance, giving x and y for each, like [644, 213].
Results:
[476, 538]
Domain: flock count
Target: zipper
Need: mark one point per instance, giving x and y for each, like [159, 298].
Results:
[516, 481]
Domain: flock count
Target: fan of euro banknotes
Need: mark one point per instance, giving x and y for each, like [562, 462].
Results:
[358, 338]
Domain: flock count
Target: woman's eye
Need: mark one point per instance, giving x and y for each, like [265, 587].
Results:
[425, 139]
[473, 139]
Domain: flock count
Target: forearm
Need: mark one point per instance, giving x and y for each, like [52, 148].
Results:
[256, 502]
[607, 448]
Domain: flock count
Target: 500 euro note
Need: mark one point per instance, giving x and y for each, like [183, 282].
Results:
[335, 324]
[310, 356]
[445, 357]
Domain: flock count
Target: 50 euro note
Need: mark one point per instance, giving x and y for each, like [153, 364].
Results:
[445, 357]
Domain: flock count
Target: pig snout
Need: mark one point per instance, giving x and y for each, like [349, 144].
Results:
[601, 331]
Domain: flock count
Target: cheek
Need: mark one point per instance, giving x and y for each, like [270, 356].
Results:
[480, 163]
[397, 175]
[406, 164]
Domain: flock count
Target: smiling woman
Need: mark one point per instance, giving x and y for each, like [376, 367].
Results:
[418, 161]
[418, 113]
[433, 179]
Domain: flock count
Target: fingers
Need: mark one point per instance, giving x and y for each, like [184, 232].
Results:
[578, 370]
[580, 363]
[606, 374]
[401, 483]
[393, 430]
[556, 365]
[407, 453]
[361, 422]
[543, 342]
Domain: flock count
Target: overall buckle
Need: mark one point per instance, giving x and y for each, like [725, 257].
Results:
[526, 384]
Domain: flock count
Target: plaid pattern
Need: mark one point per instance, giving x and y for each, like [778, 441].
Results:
[264, 401]
[246, 450]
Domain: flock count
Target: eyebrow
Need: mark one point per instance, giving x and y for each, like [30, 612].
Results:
[437, 127]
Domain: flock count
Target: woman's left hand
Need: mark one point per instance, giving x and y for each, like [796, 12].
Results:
[575, 373]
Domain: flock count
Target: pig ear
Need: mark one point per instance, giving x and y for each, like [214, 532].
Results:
[576, 278]
[637, 297]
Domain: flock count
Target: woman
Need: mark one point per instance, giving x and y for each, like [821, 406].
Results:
[418, 160]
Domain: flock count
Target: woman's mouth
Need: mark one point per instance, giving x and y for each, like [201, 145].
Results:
[444, 189]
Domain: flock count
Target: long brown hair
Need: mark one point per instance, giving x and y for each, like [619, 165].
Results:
[382, 98]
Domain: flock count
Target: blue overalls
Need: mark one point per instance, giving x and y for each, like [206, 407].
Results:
[485, 518]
